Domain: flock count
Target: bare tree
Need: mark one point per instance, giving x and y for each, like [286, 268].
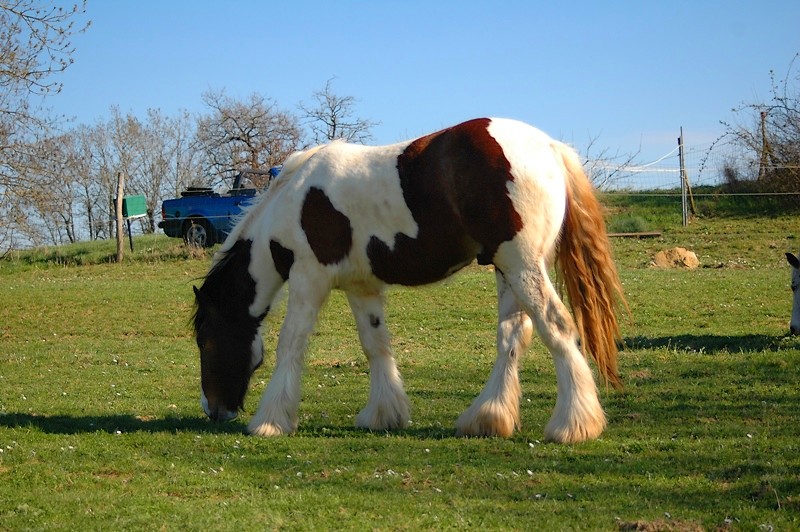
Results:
[47, 216]
[184, 155]
[103, 170]
[84, 173]
[71, 178]
[770, 133]
[239, 135]
[165, 159]
[605, 168]
[127, 136]
[330, 117]
[156, 155]
[34, 47]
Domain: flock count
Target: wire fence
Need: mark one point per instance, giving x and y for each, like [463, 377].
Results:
[705, 165]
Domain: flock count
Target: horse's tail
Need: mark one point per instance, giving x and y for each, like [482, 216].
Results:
[588, 271]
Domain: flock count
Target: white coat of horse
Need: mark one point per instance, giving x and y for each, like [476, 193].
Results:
[794, 324]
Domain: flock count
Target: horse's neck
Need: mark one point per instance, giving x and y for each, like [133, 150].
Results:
[268, 280]
[234, 285]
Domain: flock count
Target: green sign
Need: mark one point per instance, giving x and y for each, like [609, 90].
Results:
[134, 206]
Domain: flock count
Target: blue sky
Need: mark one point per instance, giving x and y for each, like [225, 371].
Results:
[628, 73]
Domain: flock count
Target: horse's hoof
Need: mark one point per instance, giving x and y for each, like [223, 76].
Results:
[574, 432]
[486, 422]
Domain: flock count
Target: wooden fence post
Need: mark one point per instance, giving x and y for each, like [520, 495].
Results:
[118, 205]
[687, 199]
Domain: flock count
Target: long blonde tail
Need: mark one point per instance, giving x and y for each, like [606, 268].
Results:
[588, 271]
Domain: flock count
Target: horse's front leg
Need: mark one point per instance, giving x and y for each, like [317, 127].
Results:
[495, 412]
[387, 407]
[277, 410]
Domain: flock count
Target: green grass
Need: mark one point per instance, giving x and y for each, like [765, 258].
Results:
[661, 209]
[100, 425]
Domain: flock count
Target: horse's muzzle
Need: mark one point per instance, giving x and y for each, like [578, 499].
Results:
[215, 411]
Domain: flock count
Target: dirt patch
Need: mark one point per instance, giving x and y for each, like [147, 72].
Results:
[661, 525]
[675, 258]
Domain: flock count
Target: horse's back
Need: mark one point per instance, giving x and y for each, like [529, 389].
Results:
[414, 212]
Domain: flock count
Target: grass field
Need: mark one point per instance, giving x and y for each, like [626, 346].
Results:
[100, 425]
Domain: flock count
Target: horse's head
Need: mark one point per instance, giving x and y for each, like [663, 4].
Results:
[227, 334]
[230, 351]
[794, 325]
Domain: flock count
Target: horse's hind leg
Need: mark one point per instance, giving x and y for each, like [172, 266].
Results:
[387, 407]
[495, 412]
[578, 415]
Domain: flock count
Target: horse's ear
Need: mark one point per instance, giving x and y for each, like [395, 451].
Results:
[794, 261]
[201, 298]
[204, 302]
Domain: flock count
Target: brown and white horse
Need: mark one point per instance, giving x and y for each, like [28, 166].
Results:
[794, 324]
[359, 218]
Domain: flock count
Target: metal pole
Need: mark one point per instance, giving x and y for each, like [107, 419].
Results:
[118, 209]
[130, 233]
[684, 204]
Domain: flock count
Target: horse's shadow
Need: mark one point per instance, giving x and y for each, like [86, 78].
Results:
[116, 424]
[711, 344]
[124, 424]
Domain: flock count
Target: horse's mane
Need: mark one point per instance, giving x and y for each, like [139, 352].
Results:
[214, 276]
[221, 260]
[291, 165]
[218, 282]
[210, 282]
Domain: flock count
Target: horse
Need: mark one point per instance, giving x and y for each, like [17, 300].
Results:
[794, 324]
[359, 218]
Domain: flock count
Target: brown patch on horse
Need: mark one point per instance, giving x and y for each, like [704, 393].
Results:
[328, 231]
[282, 258]
[454, 183]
